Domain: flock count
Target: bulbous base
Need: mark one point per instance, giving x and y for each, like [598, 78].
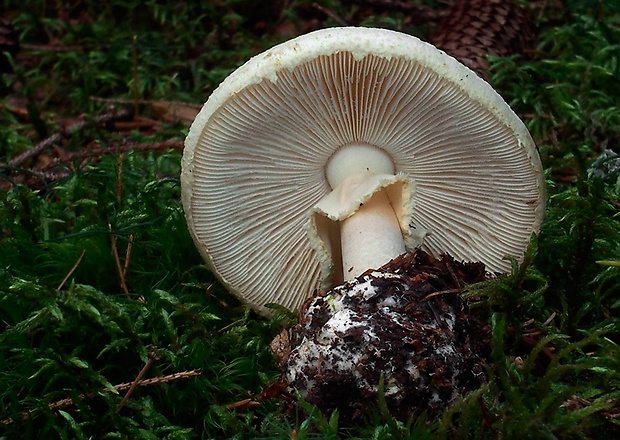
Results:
[406, 322]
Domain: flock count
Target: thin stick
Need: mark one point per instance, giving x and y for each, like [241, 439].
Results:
[392, 4]
[87, 154]
[157, 380]
[118, 261]
[75, 266]
[549, 319]
[528, 322]
[134, 384]
[134, 53]
[63, 403]
[51, 48]
[47, 173]
[241, 404]
[127, 257]
[442, 292]
[23, 175]
[330, 14]
[229, 326]
[48, 142]
[38, 148]
[144, 102]
[456, 279]
[119, 181]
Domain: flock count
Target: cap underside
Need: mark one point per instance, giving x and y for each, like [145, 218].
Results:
[255, 165]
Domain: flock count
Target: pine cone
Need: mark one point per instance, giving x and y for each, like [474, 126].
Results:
[9, 42]
[475, 28]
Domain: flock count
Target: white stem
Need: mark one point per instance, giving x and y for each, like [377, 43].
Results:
[369, 233]
[371, 237]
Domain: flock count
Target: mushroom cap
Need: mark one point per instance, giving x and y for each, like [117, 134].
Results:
[256, 155]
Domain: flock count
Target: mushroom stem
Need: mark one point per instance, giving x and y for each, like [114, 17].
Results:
[371, 237]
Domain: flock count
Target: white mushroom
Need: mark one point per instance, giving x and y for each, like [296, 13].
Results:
[337, 151]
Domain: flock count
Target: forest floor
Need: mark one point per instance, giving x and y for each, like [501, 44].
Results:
[112, 325]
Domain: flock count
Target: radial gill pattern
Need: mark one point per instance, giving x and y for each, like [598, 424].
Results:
[259, 165]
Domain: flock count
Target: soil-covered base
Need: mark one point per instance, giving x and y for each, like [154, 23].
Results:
[406, 322]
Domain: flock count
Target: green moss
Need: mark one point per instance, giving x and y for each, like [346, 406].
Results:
[552, 378]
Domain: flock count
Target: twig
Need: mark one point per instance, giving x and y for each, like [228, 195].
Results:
[414, 304]
[140, 123]
[64, 403]
[75, 266]
[392, 4]
[330, 14]
[134, 54]
[456, 279]
[550, 318]
[418, 14]
[229, 326]
[160, 379]
[241, 404]
[118, 261]
[576, 403]
[48, 142]
[47, 173]
[170, 111]
[531, 340]
[39, 175]
[542, 6]
[441, 292]
[144, 102]
[127, 257]
[38, 148]
[51, 48]
[119, 181]
[124, 148]
[152, 359]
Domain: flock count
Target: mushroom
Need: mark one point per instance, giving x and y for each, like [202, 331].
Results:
[341, 149]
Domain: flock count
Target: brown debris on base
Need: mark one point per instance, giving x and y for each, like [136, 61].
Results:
[405, 322]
